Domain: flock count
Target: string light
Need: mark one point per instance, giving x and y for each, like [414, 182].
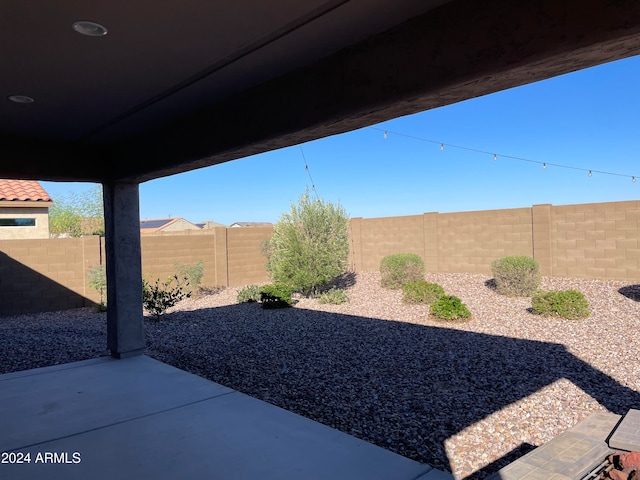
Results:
[306, 167]
[385, 134]
[510, 157]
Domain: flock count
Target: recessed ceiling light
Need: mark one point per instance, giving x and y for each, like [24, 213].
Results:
[20, 99]
[91, 29]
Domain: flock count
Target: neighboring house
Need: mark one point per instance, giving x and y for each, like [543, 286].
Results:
[24, 210]
[166, 225]
[249, 224]
[210, 224]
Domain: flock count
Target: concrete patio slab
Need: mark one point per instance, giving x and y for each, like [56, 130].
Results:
[570, 455]
[139, 418]
[598, 425]
[63, 400]
[579, 451]
[627, 435]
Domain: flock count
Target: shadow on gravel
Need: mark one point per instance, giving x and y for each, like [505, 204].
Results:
[401, 386]
[491, 284]
[344, 281]
[631, 291]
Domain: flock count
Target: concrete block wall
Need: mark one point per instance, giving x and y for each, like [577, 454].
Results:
[47, 274]
[584, 241]
[232, 256]
[598, 240]
[162, 251]
[374, 238]
[467, 242]
[246, 263]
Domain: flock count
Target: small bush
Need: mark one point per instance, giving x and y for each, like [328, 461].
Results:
[248, 294]
[191, 274]
[421, 292]
[276, 296]
[97, 279]
[449, 307]
[334, 295]
[159, 297]
[569, 304]
[401, 268]
[517, 276]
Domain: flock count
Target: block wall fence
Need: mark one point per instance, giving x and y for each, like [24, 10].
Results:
[599, 241]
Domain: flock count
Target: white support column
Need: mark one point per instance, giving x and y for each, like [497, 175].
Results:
[125, 321]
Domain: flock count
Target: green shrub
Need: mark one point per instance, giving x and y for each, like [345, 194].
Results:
[401, 268]
[250, 293]
[309, 246]
[421, 291]
[276, 296]
[449, 307]
[191, 274]
[569, 304]
[334, 295]
[159, 297]
[97, 279]
[517, 276]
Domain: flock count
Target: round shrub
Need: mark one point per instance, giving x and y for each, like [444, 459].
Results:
[517, 276]
[450, 307]
[335, 296]
[569, 304]
[400, 268]
[157, 298]
[276, 295]
[310, 245]
[249, 293]
[421, 292]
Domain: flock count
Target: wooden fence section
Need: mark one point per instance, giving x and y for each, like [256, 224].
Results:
[586, 241]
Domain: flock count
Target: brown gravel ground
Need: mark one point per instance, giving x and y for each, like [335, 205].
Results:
[465, 397]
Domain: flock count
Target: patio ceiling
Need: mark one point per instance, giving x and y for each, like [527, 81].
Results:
[177, 86]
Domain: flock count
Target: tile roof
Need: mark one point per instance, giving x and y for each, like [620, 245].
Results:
[23, 190]
[250, 224]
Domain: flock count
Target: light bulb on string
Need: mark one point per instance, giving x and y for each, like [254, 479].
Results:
[508, 157]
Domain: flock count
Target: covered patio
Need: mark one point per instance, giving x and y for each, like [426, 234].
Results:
[123, 95]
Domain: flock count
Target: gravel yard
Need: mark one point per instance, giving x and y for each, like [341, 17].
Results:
[465, 397]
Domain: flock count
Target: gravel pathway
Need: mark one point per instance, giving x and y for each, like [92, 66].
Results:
[465, 397]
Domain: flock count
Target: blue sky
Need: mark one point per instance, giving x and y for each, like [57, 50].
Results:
[587, 120]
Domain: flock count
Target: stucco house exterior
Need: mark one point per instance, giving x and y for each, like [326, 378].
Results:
[209, 225]
[158, 225]
[24, 210]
